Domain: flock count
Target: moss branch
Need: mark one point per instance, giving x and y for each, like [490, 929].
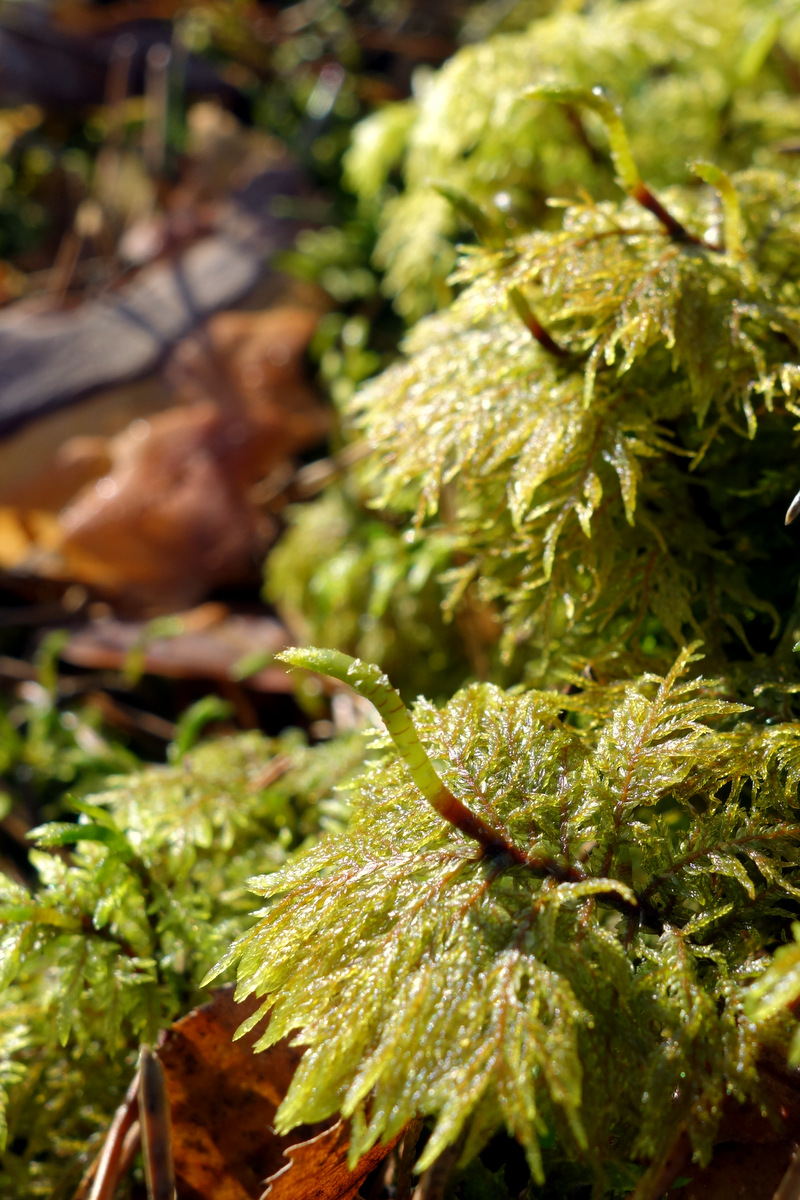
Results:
[621, 156]
[368, 681]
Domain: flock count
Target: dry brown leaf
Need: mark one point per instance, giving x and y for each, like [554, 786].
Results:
[208, 643]
[43, 464]
[171, 517]
[317, 1169]
[163, 511]
[252, 360]
[223, 1100]
[23, 532]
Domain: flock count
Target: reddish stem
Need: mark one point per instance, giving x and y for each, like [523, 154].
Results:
[678, 232]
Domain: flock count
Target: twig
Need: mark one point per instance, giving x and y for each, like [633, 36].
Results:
[156, 1127]
[127, 717]
[662, 1173]
[282, 488]
[672, 226]
[273, 771]
[154, 138]
[104, 1171]
[789, 1186]
[405, 1162]
[534, 325]
[434, 1182]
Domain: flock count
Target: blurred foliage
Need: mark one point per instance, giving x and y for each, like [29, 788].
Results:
[344, 578]
[47, 745]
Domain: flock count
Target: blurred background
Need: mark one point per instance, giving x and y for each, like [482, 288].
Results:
[186, 288]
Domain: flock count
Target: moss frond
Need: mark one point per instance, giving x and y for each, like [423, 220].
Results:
[145, 890]
[578, 488]
[427, 976]
[712, 76]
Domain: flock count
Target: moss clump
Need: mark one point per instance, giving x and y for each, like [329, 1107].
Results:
[718, 77]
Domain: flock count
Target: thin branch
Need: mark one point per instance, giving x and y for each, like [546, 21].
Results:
[104, 1171]
[433, 1184]
[672, 226]
[156, 1127]
[789, 1186]
[405, 1160]
[663, 1171]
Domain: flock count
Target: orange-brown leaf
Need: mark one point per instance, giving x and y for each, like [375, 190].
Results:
[317, 1168]
[223, 1100]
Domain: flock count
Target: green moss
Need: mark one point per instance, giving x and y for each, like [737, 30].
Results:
[111, 945]
[718, 77]
[642, 473]
[595, 988]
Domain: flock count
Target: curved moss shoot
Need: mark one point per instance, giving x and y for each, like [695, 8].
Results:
[628, 175]
[368, 681]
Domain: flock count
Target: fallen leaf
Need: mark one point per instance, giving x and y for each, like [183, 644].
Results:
[173, 515]
[170, 518]
[223, 1099]
[250, 364]
[211, 649]
[22, 533]
[164, 510]
[317, 1168]
[43, 464]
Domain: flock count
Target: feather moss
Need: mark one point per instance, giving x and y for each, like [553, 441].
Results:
[141, 893]
[594, 493]
[426, 976]
[713, 76]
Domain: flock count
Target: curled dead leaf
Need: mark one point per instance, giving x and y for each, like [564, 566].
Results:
[165, 510]
[317, 1168]
[223, 1099]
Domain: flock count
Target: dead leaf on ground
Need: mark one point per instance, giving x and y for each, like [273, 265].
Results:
[207, 643]
[223, 1100]
[170, 518]
[44, 463]
[163, 511]
[317, 1168]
